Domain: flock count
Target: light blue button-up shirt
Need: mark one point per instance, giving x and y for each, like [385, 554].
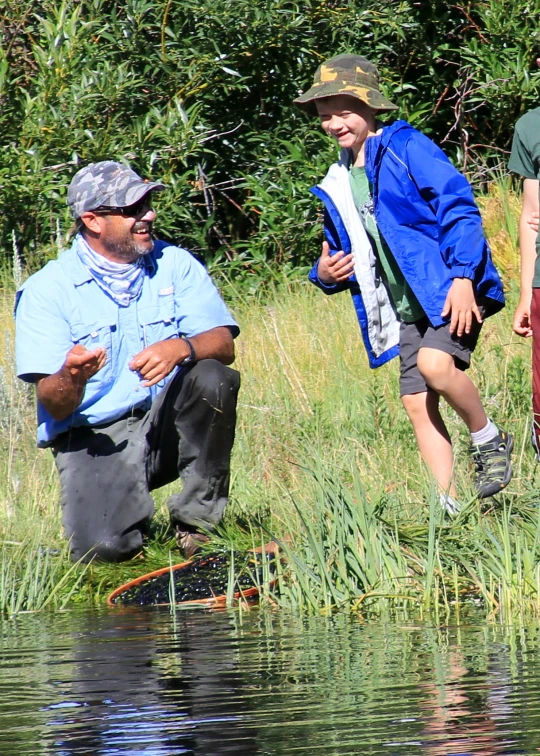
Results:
[62, 305]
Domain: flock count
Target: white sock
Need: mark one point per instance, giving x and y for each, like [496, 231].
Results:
[486, 434]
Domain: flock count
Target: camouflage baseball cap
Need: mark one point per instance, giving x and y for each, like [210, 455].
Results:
[345, 74]
[108, 184]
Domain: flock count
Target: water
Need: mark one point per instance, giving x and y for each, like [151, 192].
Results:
[129, 681]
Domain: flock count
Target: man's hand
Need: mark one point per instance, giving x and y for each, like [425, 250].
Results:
[522, 317]
[532, 221]
[62, 392]
[461, 305]
[83, 363]
[333, 269]
[158, 360]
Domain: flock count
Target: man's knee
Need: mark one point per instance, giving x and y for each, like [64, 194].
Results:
[213, 381]
[106, 547]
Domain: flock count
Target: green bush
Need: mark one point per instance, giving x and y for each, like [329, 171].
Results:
[199, 93]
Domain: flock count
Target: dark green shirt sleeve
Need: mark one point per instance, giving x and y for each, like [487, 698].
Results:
[525, 155]
[525, 160]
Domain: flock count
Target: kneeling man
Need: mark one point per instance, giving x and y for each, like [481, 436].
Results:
[127, 341]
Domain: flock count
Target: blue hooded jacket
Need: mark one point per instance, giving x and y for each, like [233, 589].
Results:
[426, 212]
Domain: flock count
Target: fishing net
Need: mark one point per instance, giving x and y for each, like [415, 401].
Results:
[207, 577]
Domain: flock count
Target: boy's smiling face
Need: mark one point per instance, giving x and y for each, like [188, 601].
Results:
[347, 119]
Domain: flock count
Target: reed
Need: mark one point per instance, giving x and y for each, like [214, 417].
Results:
[33, 577]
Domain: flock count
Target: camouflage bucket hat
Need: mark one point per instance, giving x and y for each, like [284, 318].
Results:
[345, 74]
[108, 184]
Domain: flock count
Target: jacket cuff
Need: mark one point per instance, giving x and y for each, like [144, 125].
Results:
[463, 271]
[329, 288]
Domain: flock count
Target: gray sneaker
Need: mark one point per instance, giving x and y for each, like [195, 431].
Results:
[492, 462]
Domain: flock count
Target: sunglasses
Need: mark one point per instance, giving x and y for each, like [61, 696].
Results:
[130, 211]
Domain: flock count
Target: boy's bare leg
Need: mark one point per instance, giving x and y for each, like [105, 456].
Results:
[432, 437]
[441, 374]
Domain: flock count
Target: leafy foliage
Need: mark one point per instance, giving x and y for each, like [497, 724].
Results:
[199, 93]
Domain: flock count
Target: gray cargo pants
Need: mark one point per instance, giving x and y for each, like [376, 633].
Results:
[106, 471]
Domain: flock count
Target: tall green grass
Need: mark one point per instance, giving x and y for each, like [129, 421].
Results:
[325, 462]
[326, 455]
[33, 577]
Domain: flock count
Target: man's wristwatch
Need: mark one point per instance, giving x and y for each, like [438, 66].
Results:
[191, 357]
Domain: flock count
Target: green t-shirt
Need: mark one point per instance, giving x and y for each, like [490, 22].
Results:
[407, 306]
[525, 160]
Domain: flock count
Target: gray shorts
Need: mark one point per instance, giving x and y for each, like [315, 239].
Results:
[413, 336]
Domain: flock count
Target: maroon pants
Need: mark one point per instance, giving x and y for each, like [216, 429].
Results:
[535, 324]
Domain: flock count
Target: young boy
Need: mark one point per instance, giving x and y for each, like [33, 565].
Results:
[405, 237]
[525, 160]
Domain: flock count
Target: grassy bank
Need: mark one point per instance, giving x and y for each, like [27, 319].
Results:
[326, 456]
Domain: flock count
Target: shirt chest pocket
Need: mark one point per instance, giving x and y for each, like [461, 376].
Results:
[158, 322]
[98, 333]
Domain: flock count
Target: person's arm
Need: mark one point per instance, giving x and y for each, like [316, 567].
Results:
[158, 360]
[533, 221]
[527, 247]
[449, 195]
[61, 393]
[461, 236]
[46, 354]
[334, 268]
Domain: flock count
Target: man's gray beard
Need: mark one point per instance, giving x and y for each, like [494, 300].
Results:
[128, 251]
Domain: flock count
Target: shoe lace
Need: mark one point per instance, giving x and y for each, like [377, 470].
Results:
[484, 459]
[478, 461]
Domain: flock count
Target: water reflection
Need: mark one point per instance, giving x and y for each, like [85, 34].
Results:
[154, 691]
[130, 682]
[465, 711]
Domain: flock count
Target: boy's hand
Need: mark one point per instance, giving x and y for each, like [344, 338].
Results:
[333, 269]
[461, 306]
[522, 318]
[533, 221]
